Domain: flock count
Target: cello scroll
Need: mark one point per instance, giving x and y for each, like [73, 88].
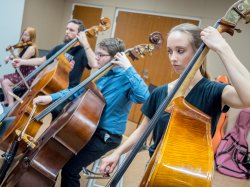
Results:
[104, 25]
[239, 10]
[155, 40]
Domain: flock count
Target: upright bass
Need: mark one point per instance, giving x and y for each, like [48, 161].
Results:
[41, 165]
[53, 78]
[179, 160]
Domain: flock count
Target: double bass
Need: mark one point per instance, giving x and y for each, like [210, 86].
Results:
[53, 76]
[179, 160]
[41, 165]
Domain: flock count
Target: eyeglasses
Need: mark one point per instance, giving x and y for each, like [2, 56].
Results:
[99, 55]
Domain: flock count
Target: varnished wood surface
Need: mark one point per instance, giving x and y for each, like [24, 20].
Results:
[185, 158]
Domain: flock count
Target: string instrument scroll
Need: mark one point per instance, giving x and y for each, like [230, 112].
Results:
[38, 167]
[176, 162]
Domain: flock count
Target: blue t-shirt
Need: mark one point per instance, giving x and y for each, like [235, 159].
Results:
[205, 95]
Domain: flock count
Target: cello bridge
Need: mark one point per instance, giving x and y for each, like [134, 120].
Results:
[29, 140]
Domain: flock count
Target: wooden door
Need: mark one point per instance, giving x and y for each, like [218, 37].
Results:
[90, 17]
[134, 29]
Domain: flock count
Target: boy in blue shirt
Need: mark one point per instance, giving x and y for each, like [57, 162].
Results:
[121, 87]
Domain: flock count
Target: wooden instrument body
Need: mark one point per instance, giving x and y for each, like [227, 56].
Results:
[185, 156]
[53, 78]
[63, 139]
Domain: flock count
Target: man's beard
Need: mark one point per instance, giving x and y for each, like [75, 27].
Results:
[67, 39]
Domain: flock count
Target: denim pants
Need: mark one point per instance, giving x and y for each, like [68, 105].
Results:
[100, 143]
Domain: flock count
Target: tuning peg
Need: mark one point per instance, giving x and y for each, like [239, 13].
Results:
[142, 55]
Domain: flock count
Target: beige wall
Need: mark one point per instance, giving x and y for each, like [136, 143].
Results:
[11, 22]
[47, 17]
[50, 17]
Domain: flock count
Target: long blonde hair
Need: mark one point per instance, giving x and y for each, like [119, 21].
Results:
[194, 32]
[32, 33]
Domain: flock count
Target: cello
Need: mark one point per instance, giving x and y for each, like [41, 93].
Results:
[180, 160]
[53, 78]
[38, 168]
